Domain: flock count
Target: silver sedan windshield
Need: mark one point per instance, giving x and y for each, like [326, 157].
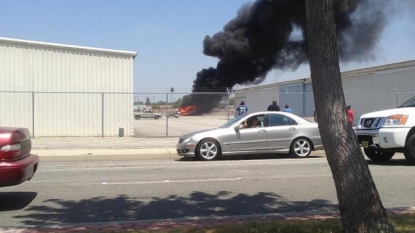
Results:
[232, 121]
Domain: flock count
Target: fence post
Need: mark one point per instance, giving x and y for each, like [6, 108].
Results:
[396, 100]
[102, 113]
[304, 100]
[227, 103]
[167, 115]
[33, 114]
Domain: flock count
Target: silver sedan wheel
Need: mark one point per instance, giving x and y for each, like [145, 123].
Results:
[208, 150]
[301, 147]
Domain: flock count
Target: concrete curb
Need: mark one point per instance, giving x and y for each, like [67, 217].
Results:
[99, 152]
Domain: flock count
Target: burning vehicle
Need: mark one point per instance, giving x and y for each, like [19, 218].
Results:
[188, 110]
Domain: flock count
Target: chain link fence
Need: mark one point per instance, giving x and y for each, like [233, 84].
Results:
[97, 114]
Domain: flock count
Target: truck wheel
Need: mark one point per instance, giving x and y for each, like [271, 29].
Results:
[156, 117]
[378, 155]
[300, 148]
[208, 149]
[137, 117]
[409, 150]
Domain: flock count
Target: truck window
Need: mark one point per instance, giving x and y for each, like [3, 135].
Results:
[408, 103]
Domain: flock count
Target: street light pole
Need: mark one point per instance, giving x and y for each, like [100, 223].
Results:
[171, 95]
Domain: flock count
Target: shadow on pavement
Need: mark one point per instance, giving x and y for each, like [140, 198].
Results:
[197, 204]
[392, 162]
[264, 156]
[10, 201]
[254, 157]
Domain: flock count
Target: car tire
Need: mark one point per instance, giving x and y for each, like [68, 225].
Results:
[378, 155]
[409, 150]
[301, 148]
[207, 150]
[137, 117]
[156, 117]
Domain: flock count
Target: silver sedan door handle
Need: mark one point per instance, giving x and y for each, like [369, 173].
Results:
[292, 129]
[262, 131]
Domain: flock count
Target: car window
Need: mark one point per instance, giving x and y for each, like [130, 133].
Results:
[261, 120]
[248, 123]
[232, 121]
[279, 120]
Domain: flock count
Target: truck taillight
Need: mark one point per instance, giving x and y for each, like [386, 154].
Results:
[10, 152]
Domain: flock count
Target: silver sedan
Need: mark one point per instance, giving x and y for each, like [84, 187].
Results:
[274, 132]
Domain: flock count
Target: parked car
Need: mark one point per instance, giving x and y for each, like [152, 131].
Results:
[17, 164]
[278, 132]
[175, 114]
[146, 114]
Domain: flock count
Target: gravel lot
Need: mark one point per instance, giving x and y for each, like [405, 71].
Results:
[175, 127]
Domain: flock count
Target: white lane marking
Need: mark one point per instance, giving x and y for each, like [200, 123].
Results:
[209, 164]
[170, 181]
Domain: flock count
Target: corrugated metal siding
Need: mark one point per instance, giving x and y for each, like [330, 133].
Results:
[257, 99]
[67, 85]
[309, 100]
[15, 106]
[266, 97]
[355, 92]
[366, 90]
[15, 109]
[296, 96]
[379, 90]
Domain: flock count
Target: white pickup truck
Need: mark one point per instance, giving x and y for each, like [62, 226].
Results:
[383, 133]
[146, 114]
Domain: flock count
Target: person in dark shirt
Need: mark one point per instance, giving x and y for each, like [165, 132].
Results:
[274, 106]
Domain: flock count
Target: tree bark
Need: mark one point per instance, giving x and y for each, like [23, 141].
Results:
[361, 208]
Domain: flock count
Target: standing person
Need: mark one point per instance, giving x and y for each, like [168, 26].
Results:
[287, 108]
[350, 115]
[274, 106]
[242, 109]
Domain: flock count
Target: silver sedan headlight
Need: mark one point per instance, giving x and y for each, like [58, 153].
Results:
[186, 140]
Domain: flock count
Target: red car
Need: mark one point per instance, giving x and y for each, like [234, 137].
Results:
[17, 165]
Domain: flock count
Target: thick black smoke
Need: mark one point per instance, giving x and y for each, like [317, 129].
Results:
[270, 34]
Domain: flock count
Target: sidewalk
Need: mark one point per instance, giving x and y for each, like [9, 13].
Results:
[91, 146]
[186, 223]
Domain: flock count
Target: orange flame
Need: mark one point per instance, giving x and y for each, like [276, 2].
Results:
[187, 110]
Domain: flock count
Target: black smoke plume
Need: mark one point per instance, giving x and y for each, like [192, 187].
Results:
[271, 34]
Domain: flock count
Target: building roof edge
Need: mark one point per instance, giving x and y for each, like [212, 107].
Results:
[56, 45]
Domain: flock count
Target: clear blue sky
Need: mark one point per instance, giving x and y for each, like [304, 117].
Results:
[166, 34]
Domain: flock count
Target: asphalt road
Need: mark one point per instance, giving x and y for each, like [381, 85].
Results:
[109, 191]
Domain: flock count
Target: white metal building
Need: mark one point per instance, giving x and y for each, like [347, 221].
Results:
[366, 90]
[65, 90]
